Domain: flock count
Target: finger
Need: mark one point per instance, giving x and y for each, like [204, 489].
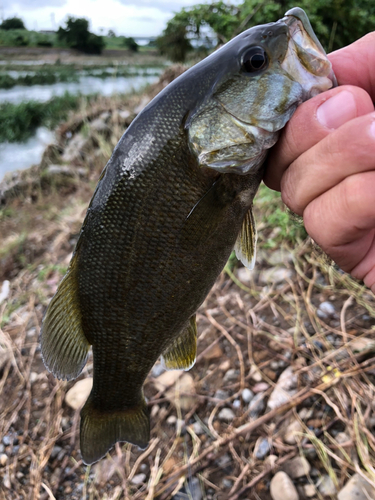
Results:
[346, 151]
[313, 121]
[355, 64]
[342, 222]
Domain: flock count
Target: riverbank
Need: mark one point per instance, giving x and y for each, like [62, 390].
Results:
[285, 372]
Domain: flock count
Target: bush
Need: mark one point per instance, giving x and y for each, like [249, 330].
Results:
[77, 36]
[12, 23]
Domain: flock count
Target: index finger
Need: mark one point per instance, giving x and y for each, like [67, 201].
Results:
[355, 64]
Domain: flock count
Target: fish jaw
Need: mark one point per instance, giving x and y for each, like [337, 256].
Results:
[311, 68]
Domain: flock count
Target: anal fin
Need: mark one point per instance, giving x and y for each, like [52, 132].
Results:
[101, 429]
[182, 353]
[245, 246]
[63, 342]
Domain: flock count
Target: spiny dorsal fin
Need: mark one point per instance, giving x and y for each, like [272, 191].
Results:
[101, 429]
[182, 353]
[245, 246]
[63, 343]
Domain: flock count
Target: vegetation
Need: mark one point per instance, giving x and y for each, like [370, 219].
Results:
[19, 121]
[336, 22]
[77, 36]
[12, 23]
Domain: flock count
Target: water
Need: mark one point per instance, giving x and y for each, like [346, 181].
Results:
[86, 85]
[21, 155]
[18, 156]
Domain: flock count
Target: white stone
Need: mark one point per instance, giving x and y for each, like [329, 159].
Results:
[309, 490]
[275, 275]
[138, 479]
[284, 389]
[297, 467]
[247, 395]
[77, 395]
[326, 486]
[282, 487]
[226, 414]
[356, 488]
[292, 434]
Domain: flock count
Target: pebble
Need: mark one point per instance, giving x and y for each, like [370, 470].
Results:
[55, 451]
[356, 488]
[3, 459]
[226, 414]
[257, 405]
[2, 448]
[297, 467]
[231, 375]
[77, 395]
[227, 483]
[138, 479]
[282, 487]
[326, 309]
[284, 389]
[275, 275]
[247, 395]
[262, 448]
[214, 352]
[279, 256]
[197, 428]
[309, 490]
[236, 403]
[292, 432]
[172, 420]
[326, 486]
[220, 394]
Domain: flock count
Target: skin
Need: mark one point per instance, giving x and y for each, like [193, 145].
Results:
[324, 163]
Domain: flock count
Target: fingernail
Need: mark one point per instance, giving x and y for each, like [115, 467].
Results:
[337, 110]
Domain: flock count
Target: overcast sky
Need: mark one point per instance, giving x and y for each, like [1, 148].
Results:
[124, 17]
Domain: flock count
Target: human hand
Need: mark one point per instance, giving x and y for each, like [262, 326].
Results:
[324, 163]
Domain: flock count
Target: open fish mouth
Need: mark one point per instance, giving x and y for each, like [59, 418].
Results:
[311, 67]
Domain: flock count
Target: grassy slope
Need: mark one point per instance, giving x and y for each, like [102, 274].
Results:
[245, 325]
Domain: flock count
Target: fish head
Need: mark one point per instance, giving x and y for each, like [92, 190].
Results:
[270, 70]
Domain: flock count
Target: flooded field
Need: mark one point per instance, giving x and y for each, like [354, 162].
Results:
[84, 79]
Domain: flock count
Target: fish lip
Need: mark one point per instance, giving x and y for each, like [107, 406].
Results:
[301, 15]
[298, 14]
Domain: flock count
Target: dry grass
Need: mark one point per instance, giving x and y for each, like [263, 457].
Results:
[244, 325]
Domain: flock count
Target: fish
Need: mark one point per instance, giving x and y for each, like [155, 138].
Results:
[172, 203]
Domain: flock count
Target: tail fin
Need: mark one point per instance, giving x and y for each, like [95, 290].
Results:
[100, 430]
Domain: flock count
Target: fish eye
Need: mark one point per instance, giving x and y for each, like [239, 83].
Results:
[254, 59]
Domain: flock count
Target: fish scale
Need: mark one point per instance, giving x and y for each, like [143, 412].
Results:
[173, 201]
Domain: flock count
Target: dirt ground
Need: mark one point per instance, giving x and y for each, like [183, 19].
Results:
[284, 374]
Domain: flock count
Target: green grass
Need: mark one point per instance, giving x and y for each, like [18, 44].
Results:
[278, 223]
[19, 121]
[50, 74]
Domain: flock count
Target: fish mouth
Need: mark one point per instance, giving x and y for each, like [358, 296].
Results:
[311, 68]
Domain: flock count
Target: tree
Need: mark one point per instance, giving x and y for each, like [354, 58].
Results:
[77, 36]
[12, 23]
[130, 44]
[336, 22]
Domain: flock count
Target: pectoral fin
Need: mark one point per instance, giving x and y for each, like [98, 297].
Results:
[245, 246]
[182, 353]
[63, 342]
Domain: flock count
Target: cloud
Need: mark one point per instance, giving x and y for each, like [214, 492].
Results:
[162, 5]
[15, 6]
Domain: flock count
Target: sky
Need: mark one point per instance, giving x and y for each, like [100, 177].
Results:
[124, 17]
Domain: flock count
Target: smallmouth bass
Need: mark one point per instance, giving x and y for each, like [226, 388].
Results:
[171, 204]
